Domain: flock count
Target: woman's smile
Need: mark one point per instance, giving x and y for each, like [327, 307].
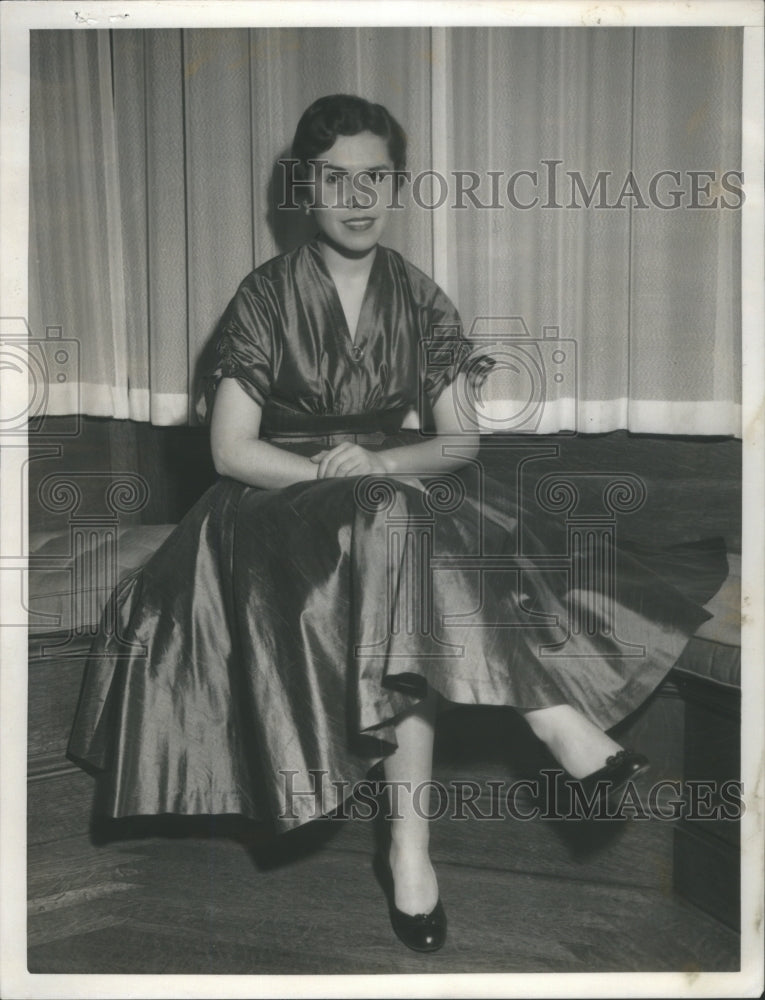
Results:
[359, 223]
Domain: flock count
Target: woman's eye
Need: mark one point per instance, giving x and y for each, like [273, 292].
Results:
[334, 178]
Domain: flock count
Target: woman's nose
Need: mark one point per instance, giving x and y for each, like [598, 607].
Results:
[350, 192]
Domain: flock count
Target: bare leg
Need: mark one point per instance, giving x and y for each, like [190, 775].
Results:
[575, 742]
[416, 888]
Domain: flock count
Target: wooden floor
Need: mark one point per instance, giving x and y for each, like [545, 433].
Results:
[215, 896]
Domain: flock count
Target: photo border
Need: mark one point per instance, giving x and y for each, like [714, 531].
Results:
[17, 18]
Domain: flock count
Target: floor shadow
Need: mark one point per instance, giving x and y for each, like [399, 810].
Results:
[267, 848]
[477, 740]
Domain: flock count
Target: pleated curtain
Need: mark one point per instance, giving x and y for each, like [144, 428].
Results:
[154, 188]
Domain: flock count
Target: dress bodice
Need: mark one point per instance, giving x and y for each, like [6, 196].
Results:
[284, 337]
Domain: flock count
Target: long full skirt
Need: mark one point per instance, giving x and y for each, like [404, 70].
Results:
[261, 657]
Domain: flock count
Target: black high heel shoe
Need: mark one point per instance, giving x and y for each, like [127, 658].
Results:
[611, 779]
[420, 932]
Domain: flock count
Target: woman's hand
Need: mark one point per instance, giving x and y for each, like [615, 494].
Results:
[348, 459]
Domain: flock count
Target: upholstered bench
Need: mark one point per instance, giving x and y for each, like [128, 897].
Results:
[73, 572]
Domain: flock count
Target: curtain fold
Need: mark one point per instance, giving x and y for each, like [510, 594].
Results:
[552, 101]
[154, 191]
[685, 265]
[76, 250]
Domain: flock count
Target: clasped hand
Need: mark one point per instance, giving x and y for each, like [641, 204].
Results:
[348, 459]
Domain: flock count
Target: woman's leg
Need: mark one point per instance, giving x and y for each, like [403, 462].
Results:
[575, 742]
[416, 888]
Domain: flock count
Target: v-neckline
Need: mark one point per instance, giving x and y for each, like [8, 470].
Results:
[336, 305]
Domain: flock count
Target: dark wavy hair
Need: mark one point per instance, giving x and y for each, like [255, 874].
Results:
[344, 114]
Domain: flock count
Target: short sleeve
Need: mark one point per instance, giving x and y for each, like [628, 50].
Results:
[446, 352]
[243, 345]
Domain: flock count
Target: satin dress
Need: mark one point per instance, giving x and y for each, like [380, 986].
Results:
[261, 657]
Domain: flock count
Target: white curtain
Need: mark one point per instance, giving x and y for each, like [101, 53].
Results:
[153, 157]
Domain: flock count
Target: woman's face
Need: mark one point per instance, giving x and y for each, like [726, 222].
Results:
[353, 193]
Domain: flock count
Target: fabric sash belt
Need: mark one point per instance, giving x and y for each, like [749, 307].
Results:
[283, 423]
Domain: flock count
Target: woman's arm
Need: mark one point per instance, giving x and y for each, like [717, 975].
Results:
[237, 450]
[426, 458]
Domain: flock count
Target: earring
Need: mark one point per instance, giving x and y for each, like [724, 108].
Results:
[306, 208]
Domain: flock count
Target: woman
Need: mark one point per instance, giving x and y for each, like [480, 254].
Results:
[269, 669]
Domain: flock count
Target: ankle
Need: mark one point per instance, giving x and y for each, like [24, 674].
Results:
[408, 844]
[578, 745]
[415, 886]
[549, 724]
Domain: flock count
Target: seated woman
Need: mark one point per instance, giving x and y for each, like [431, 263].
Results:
[262, 667]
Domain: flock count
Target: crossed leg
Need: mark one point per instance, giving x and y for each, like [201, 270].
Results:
[576, 743]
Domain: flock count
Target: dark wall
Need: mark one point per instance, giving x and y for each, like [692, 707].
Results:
[173, 463]
[693, 485]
